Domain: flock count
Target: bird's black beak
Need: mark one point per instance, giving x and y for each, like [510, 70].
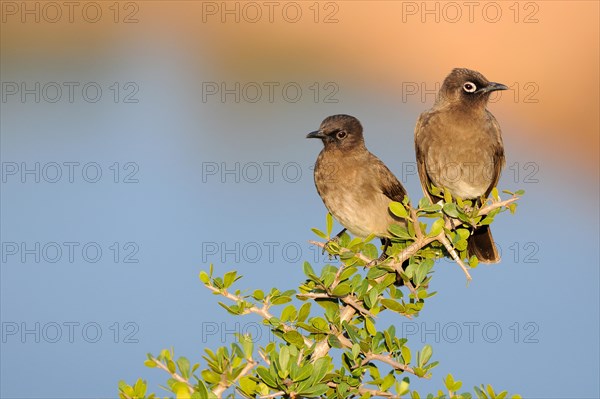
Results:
[493, 86]
[317, 134]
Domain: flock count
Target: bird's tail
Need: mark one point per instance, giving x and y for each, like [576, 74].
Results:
[481, 244]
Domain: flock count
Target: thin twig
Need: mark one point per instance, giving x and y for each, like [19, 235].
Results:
[175, 376]
[397, 266]
[273, 395]
[224, 384]
[387, 360]
[499, 204]
[263, 312]
[444, 240]
[372, 392]
[322, 347]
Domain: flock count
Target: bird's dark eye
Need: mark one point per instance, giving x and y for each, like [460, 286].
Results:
[341, 134]
[469, 87]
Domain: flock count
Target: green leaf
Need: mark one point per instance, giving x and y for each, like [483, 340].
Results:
[436, 227]
[184, 367]
[140, 388]
[247, 385]
[171, 366]
[229, 278]
[341, 290]
[355, 351]
[405, 350]
[480, 394]
[450, 209]
[308, 270]
[376, 272]
[319, 233]
[388, 381]
[247, 345]
[280, 300]
[294, 338]
[392, 305]
[424, 202]
[259, 295]
[329, 220]
[265, 376]
[473, 261]
[302, 373]
[284, 360]
[321, 366]
[288, 314]
[398, 209]
[425, 355]
[334, 342]
[370, 326]
[315, 391]
[304, 311]
[204, 277]
[461, 245]
[320, 324]
[347, 272]
[447, 196]
[486, 220]
[210, 376]
[399, 232]
[494, 194]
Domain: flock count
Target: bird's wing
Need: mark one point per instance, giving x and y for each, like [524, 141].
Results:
[389, 185]
[499, 159]
[420, 139]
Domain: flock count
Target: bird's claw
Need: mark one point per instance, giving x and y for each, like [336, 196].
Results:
[336, 240]
[377, 261]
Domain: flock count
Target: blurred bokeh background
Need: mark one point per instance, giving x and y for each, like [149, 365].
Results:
[141, 141]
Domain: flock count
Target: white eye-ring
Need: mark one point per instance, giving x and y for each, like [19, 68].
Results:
[341, 134]
[469, 87]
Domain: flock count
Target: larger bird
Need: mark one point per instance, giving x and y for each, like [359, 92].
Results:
[459, 148]
[355, 186]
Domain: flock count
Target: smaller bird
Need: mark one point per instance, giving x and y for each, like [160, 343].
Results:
[459, 148]
[355, 186]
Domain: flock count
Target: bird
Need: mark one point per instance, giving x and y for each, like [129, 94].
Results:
[458, 145]
[355, 186]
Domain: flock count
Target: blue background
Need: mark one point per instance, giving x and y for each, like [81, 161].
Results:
[178, 217]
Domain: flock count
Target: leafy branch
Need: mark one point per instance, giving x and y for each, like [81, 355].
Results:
[351, 295]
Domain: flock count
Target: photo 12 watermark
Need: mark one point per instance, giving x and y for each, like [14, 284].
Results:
[69, 332]
[450, 332]
[266, 252]
[69, 92]
[69, 172]
[290, 172]
[253, 12]
[55, 12]
[427, 93]
[452, 12]
[269, 92]
[489, 332]
[28, 252]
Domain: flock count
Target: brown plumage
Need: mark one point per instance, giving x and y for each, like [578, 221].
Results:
[459, 147]
[355, 186]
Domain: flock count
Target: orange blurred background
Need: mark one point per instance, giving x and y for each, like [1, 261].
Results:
[547, 51]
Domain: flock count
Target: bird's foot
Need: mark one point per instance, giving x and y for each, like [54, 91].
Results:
[334, 240]
[377, 261]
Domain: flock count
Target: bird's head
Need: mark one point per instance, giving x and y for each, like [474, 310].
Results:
[465, 86]
[339, 131]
